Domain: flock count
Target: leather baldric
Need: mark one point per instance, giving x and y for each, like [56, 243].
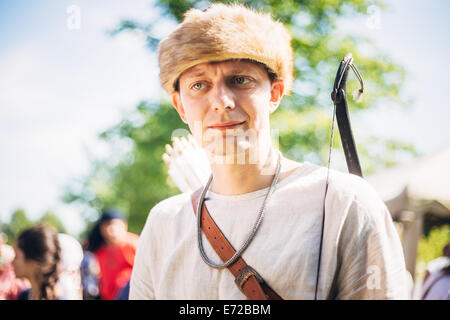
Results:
[251, 284]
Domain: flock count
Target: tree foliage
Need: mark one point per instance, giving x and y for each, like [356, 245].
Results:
[20, 221]
[51, 219]
[432, 245]
[135, 180]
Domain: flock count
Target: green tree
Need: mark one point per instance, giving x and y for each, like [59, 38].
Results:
[136, 179]
[51, 219]
[133, 181]
[432, 245]
[19, 222]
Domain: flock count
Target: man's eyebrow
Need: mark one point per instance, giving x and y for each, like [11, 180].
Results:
[195, 74]
[199, 73]
[241, 70]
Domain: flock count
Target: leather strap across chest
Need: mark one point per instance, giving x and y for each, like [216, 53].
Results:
[246, 278]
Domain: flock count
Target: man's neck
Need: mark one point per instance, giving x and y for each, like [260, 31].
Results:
[230, 179]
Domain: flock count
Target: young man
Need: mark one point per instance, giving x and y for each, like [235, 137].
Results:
[227, 69]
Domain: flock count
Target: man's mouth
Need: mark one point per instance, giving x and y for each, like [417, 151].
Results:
[226, 125]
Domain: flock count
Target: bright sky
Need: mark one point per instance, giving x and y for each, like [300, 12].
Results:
[61, 87]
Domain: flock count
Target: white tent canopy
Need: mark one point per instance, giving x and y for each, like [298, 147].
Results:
[413, 190]
[422, 184]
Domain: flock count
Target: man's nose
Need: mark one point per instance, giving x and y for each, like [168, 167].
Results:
[222, 97]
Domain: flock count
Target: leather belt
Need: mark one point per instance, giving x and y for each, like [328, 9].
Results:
[251, 284]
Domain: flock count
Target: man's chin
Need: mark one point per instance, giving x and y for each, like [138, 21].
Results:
[230, 151]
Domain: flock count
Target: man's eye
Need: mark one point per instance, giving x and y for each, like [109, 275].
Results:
[197, 86]
[241, 80]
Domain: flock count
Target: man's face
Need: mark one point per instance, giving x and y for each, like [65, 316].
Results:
[222, 100]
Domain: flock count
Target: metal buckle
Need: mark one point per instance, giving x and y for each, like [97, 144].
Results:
[244, 275]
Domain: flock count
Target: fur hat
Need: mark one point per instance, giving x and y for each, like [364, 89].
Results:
[224, 32]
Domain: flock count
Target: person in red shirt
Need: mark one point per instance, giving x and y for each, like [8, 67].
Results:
[114, 248]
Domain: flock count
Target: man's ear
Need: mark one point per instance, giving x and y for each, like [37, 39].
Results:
[276, 93]
[176, 101]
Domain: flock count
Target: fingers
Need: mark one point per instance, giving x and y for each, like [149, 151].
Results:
[167, 159]
[183, 167]
[180, 146]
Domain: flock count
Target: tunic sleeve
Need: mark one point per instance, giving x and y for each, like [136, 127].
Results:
[371, 257]
[141, 287]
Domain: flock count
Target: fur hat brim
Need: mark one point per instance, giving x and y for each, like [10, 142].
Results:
[224, 32]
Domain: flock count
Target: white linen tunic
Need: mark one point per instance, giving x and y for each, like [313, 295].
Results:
[362, 257]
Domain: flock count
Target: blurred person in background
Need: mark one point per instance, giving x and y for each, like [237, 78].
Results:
[90, 273]
[438, 263]
[114, 248]
[436, 284]
[69, 283]
[10, 286]
[37, 256]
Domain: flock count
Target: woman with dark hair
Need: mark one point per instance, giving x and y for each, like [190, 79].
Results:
[37, 255]
[114, 249]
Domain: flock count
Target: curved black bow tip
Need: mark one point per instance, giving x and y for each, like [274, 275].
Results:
[341, 111]
[348, 58]
[340, 81]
